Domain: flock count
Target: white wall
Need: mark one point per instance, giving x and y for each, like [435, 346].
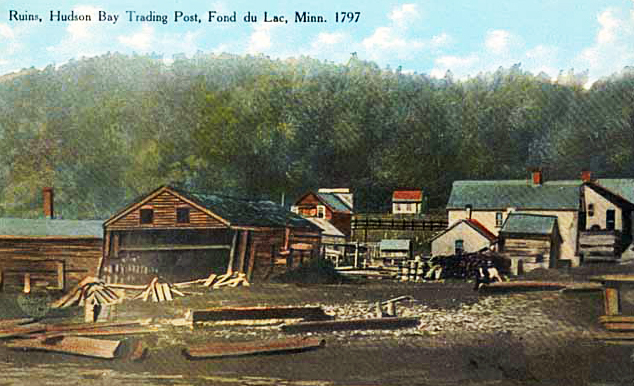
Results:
[445, 244]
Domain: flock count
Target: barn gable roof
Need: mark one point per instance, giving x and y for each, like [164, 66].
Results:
[233, 212]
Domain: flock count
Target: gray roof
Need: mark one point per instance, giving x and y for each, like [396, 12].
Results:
[520, 194]
[50, 228]
[624, 187]
[533, 224]
[326, 227]
[334, 202]
[394, 244]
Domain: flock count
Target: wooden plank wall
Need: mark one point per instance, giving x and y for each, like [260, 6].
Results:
[80, 256]
[529, 251]
[164, 206]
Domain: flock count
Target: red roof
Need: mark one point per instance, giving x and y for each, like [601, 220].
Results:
[408, 195]
[485, 232]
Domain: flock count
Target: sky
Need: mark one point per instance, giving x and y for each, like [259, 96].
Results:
[422, 36]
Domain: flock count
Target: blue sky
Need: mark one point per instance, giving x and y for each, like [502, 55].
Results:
[426, 36]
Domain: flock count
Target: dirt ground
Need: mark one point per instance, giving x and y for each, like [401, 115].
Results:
[536, 338]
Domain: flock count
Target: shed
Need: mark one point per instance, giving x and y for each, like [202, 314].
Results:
[394, 250]
[464, 236]
[530, 241]
[181, 235]
[334, 205]
[49, 252]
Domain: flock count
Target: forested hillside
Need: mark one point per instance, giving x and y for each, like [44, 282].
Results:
[106, 129]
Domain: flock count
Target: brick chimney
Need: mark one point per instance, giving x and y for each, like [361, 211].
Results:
[47, 199]
[586, 175]
[537, 177]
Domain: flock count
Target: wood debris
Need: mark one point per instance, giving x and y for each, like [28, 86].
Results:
[218, 350]
[89, 347]
[257, 313]
[159, 292]
[92, 290]
[352, 324]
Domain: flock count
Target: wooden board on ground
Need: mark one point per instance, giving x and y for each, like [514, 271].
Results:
[520, 286]
[352, 324]
[95, 348]
[242, 313]
[218, 350]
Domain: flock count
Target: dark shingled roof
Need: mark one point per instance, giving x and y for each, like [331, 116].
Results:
[50, 228]
[520, 194]
[241, 212]
[529, 224]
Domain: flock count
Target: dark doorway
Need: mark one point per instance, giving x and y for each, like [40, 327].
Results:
[610, 219]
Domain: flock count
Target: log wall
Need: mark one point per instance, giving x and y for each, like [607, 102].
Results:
[81, 257]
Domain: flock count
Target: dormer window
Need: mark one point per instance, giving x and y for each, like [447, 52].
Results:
[321, 211]
[147, 216]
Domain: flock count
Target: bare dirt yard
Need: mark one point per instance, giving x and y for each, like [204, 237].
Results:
[464, 337]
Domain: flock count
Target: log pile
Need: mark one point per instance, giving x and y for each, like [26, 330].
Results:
[90, 290]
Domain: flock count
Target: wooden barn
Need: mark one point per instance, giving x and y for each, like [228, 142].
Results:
[180, 235]
[49, 252]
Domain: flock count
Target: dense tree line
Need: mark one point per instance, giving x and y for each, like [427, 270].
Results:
[106, 129]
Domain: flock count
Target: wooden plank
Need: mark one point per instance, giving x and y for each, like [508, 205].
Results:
[167, 292]
[8, 323]
[244, 241]
[104, 331]
[21, 330]
[611, 301]
[232, 252]
[619, 326]
[616, 319]
[615, 336]
[522, 286]
[351, 324]
[219, 350]
[254, 248]
[95, 348]
[159, 292]
[251, 313]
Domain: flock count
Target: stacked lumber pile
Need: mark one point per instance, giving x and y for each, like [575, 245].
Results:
[159, 292]
[90, 290]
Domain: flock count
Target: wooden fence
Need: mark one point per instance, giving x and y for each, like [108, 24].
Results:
[398, 224]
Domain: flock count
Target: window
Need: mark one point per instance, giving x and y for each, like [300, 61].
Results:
[590, 210]
[321, 211]
[498, 219]
[147, 216]
[182, 215]
[459, 247]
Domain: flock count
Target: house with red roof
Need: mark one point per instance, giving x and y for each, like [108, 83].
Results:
[463, 236]
[407, 201]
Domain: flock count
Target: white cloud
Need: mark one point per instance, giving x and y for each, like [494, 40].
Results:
[82, 30]
[405, 14]
[460, 66]
[610, 26]
[395, 40]
[613, 48]
[140, 41]
[441, 40]
[498, 41]
[6, 31]
[542, 58]
[260, 39]
[82, 38]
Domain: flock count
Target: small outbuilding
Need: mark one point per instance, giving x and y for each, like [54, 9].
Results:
[530, 241]
[392, 251]
[464, 236]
